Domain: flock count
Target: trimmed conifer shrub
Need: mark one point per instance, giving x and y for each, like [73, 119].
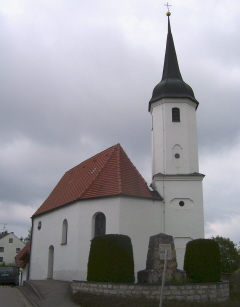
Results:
[202, 261]
[111, 259]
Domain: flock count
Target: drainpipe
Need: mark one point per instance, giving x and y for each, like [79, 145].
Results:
[30, 256]
[164, 170]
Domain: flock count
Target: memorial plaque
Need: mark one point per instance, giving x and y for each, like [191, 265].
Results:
[162, 248]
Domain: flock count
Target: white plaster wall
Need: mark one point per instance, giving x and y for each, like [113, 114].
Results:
[70, 260]
[137, 218]
[10, 248]
[180, 247]
[140, 219]
[23, 275]
[166, 134]
[168, 138]
[187, 221]
[108, 206]
[51, 234]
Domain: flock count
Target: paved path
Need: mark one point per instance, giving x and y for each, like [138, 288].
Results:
[50, 293]
[11, 297]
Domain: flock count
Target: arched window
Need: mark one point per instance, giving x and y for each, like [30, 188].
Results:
[100, 225]
[175, 114]
[64, 231]
[39, 225]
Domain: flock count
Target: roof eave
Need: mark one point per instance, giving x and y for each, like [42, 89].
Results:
[171, 96]
[159, 198]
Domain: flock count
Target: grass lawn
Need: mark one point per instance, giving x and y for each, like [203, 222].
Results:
[93, 300]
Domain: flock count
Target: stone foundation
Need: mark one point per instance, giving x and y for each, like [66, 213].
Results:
[217, 292]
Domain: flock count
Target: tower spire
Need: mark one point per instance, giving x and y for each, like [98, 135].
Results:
[170, 68]
[172, 84]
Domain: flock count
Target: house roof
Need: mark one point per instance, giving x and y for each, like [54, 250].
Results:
[23, 256]
[172, 84]
[109, 173]
[3, 234]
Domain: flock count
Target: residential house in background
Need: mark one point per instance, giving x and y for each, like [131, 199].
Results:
[10, 245]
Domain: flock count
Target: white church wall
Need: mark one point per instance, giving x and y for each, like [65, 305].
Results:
[140, 219]
[166, 134]
[137, 218]
[50, 234]
[185, 222]
[70, 260]
[182, 220]
[87, 210]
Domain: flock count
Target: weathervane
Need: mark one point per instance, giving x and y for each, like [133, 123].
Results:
[168, 13]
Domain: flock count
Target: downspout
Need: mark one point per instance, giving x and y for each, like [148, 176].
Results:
[30, 256]
[164, 170]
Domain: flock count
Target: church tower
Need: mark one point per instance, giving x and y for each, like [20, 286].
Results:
[175, 170]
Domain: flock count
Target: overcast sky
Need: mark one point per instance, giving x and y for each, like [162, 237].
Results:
[77, 76]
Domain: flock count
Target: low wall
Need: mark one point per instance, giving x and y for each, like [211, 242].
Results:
[217, 292]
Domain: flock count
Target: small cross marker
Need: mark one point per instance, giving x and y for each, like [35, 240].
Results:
[167, 6]
[168, 13]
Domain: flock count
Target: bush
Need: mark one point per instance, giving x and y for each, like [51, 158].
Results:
[229, 254]
[111, 259]
[202, 261]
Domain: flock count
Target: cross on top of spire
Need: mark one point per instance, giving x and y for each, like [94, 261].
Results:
[168, 13]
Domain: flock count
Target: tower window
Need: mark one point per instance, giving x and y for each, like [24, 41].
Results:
[175, 114]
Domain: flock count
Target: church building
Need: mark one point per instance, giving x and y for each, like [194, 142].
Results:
[107, 195]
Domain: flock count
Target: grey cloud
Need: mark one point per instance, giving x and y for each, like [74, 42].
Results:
[75, 79]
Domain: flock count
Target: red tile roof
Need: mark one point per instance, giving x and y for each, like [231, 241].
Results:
[106, 174]
[22, 258]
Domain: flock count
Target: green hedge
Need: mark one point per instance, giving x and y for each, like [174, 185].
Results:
[202, 261]
[111, 259]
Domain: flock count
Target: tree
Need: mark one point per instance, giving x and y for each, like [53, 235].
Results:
[29, 236]
[229, 254]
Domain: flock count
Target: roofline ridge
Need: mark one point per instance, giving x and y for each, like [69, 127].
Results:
[71, 169]
[103, 167]
[138, 173]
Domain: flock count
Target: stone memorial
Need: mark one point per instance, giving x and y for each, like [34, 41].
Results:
[155, 260]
